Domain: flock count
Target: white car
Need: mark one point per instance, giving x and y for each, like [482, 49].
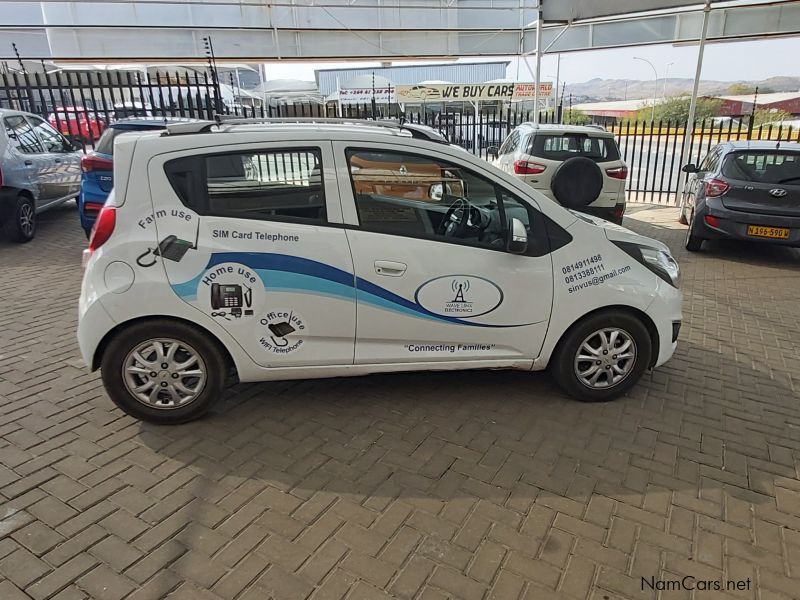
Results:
[303, 250]
[578, 166]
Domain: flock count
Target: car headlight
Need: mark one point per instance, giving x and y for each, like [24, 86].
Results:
[656, 260]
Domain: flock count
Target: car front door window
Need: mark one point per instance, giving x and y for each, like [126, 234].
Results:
[51, 140]
[18, 130]
[418, 196]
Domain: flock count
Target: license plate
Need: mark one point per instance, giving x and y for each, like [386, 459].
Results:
[780, 233]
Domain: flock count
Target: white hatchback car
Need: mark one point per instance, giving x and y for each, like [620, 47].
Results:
[578, 166]
[318, 249]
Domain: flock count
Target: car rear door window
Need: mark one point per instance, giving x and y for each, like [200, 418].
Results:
[281, 185]
[563, 147]
[772, 167]
[17, 128]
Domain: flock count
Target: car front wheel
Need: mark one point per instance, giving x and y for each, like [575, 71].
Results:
[20, 225]
[602, 357]
[163, 371]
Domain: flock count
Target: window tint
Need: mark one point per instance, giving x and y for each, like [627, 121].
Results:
[711, 161]
[51, 139]
[419, 196]
[265, 185]
[763, 167]
[562, 147]
[17, 128]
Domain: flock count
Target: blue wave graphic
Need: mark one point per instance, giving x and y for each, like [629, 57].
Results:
[302, 275]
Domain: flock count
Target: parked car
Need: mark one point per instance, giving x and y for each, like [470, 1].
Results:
[745, 191]
[297, 250]
[97, 176]
[78, 123]
[577, 166]
[126, 110]
[39, 169]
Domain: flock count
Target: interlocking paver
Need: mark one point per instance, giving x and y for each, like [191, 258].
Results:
[484, 485]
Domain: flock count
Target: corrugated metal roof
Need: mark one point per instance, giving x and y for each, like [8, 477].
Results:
[411, 74]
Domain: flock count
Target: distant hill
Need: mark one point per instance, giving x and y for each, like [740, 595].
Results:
[620, 89]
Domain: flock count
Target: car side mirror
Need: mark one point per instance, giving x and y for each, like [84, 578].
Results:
[492, 151]
[518, 237]
[690, 168]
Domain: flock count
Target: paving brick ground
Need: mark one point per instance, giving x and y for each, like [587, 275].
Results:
[469, 485]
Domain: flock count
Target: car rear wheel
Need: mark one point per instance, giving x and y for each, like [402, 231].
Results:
[602, 357]
[163, 371]
[20, 225]
[693, 241]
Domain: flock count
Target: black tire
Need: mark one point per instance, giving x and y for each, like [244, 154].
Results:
[20, 224]
[562, 365]
[682, 217]
[577, 182]
[118, 349]
[693, 242]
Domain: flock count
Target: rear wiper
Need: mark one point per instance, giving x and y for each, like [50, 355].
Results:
[789, 179]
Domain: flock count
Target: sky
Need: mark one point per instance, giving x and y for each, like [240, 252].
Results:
[728, 61]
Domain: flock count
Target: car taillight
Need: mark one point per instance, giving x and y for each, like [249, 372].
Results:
[92, 162]
[714, 188]
[103, 227]
[526, 167]
[618, 172]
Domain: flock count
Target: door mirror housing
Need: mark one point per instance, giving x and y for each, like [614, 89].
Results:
[689, 168]
[493, 151]
[517, 242]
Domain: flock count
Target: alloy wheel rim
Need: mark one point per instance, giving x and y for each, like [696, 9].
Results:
[605, 358]
[164, 373]
[26, 219]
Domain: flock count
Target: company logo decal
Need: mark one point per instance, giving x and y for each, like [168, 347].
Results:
[281, 331]
[464, 296]
[778, 192]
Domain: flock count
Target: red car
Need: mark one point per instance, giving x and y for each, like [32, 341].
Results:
[77, 122]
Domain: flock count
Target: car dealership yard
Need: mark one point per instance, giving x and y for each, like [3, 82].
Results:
[460, 485]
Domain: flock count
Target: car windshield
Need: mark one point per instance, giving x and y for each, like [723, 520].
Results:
[770, 166]
[562, 147]
[105, 145]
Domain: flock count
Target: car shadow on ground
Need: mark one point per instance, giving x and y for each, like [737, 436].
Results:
[430, 438]
[50, 232]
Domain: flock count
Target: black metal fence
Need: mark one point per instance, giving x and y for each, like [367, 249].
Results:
[82, 104]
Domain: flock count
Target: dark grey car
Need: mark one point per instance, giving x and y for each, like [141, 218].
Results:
[746, 191]
[39, 169]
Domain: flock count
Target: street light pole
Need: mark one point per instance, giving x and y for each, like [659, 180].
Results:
[655, 88]
[666, 74]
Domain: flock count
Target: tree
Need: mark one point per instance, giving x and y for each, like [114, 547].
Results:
[677, 109]
[575, 117]
[766, 115]
[744, 89]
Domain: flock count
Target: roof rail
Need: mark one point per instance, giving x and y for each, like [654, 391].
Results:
[417, 130]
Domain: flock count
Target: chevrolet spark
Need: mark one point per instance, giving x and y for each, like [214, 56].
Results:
[294, 250]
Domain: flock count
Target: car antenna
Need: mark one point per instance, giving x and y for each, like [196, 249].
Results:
[778, 145]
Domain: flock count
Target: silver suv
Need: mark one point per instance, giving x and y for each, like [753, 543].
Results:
[577, 166]
[39, 169]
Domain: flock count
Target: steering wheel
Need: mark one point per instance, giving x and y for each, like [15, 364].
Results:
[455, 220]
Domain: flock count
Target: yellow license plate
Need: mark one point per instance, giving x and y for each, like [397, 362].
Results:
[780, 233]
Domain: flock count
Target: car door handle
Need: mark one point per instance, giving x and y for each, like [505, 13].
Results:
[28, 163]
[390, 268]
[58, 160]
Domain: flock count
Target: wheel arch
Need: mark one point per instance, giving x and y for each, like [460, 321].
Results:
[118, 329]
[617, 308]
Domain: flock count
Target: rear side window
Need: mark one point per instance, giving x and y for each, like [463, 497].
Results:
[511, 144]
[763, 167]
[283, 185]
[563, 147]
[18, 129]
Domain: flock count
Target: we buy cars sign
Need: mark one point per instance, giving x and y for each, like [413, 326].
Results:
[471, 92]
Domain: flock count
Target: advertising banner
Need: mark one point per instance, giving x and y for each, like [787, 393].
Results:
[471, 92]
[382, 95]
